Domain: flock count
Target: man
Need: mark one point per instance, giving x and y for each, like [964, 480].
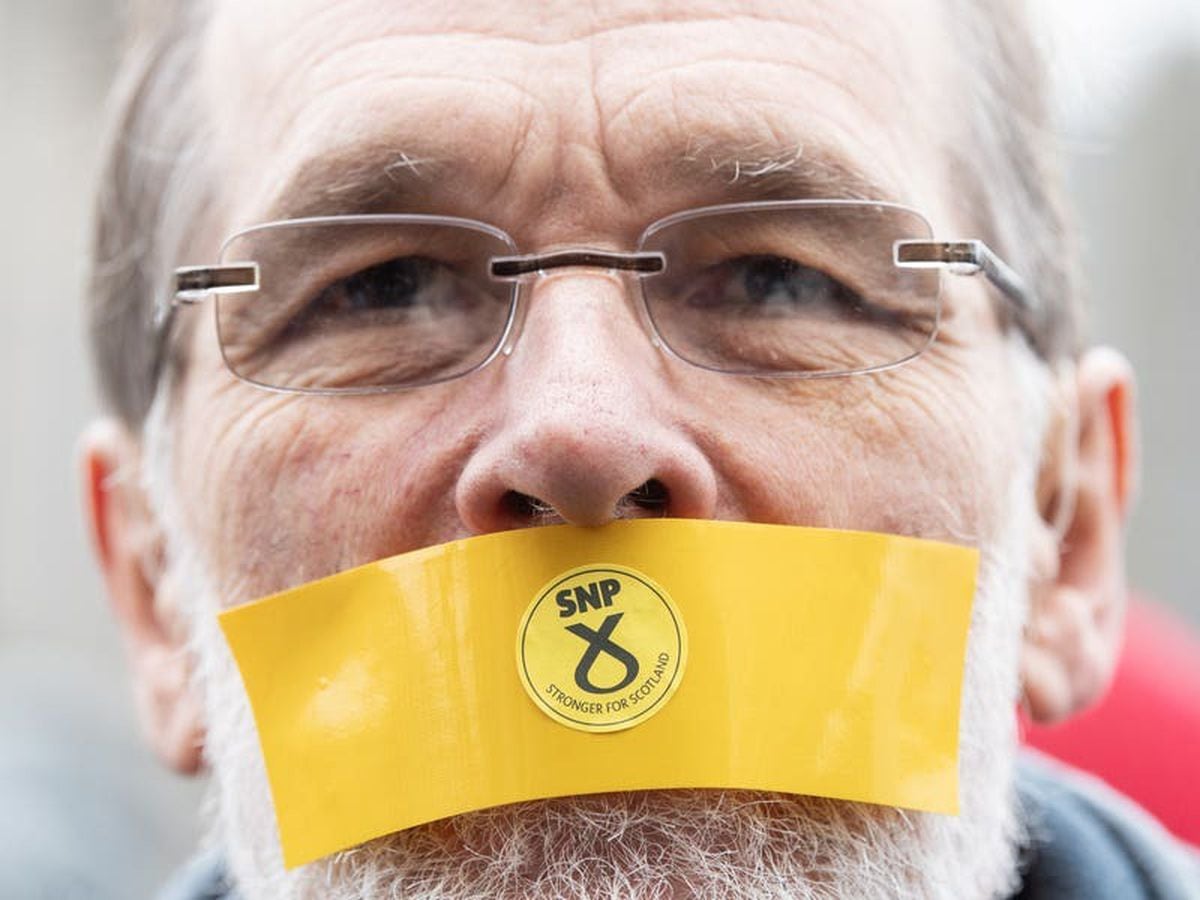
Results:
[575, 126]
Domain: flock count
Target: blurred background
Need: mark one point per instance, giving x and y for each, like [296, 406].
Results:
[81, 800]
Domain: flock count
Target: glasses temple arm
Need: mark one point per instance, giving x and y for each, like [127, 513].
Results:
[967, 258]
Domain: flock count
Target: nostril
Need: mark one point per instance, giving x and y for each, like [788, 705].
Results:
[651, 495]
[525, 507]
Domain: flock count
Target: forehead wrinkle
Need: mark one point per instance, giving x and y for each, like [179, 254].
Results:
[377, 165]
[617, 115]
[768, 149]
[363, 188]
[751, 155]
[793, 41]
[537, 81]
[572, 21]
[379, 178]
[880, 123]
[465, 86]
[279, 108]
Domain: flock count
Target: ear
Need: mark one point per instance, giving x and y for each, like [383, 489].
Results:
[1077, 596]
[127, 541]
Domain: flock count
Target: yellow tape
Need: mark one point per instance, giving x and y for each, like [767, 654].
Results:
[805, 660]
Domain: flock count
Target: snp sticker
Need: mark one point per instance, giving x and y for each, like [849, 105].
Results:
[601, 648]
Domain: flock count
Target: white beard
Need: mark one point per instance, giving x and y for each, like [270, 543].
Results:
[658, 844]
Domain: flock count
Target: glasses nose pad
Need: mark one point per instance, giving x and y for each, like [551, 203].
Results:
[643, 312]
[516, 320]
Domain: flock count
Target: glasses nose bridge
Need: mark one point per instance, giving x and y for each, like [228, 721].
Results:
[523, 269]
[516, 267]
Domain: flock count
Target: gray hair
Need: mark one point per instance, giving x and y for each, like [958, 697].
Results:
[154, 187]
[1010, 183]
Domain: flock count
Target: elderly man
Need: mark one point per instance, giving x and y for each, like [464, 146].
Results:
[748, 360]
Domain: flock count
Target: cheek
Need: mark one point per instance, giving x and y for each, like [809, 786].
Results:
[918, 451]
[284, 489]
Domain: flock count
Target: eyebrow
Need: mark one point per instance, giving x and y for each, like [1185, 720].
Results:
[762, 171]
[359, 179]
[720, 168]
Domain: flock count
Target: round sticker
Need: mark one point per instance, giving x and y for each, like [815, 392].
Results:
[601, 648]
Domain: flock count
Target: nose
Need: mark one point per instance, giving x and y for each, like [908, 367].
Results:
[585, 429]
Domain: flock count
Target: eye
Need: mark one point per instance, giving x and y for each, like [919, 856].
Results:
[403, 286]
[771, 286]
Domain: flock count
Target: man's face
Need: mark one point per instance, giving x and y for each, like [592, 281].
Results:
[567, 125]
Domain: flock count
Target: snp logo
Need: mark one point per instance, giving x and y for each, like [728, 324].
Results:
[601, 648]
[596, 595]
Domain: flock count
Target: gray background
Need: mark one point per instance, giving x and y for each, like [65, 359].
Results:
[81, 801]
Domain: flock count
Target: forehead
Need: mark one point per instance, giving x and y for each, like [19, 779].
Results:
[566, 114]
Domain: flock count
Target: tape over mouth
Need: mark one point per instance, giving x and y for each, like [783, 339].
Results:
[648, 654]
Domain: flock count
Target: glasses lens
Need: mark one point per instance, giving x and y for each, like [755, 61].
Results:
[344, 305]
[800, 289]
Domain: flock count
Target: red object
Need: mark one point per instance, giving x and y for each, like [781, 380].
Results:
[1143, 738]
